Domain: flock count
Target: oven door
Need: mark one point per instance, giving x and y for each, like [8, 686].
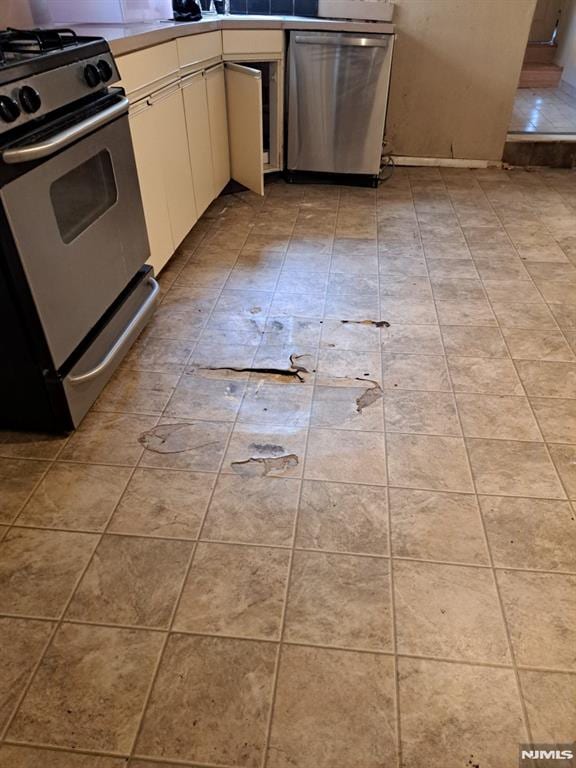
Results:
[76, 219]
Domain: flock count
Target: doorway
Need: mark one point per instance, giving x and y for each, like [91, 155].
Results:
[545, 101]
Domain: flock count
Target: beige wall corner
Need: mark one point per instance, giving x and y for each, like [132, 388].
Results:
[454, 77]
[567, 46]
[14, 13]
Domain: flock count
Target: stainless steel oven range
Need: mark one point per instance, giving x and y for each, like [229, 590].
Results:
[74, 291]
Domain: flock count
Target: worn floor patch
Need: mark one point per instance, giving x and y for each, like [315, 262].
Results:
[292, 371]
[375, 323]
[174, 438]
[273, 449]
[369, 396]
[260, 466]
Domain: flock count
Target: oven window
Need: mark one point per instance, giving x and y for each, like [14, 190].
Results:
[83, 195]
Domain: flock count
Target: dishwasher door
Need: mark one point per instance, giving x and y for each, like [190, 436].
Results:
[337, 99]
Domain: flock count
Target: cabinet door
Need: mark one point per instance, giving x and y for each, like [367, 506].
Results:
[216, 92]
[199, 141]
[245, 132]
[172, 145]
[151, 177]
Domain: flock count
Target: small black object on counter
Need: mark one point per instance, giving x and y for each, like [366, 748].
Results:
[186, 10]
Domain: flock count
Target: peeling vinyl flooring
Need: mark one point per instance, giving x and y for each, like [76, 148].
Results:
[281, 540]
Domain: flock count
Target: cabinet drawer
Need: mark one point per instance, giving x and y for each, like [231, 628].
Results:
[197, 48]
[145, 71]
[236, 41]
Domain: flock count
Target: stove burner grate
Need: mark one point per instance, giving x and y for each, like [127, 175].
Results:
[34, 42]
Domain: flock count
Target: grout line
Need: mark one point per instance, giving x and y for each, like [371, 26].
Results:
[328, 385]
[514, 361]
[268, 427]
[114, 755]
[276, 673]
[154, 677]
[32, 673]
[49, 464]
[29, 459]
[499, 597]
[167, 632]
[65, 750]
[301, 548]
[428, 210]
[60, 619]
[391, 592]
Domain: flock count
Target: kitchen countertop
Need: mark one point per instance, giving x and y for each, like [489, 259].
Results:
[125, 38]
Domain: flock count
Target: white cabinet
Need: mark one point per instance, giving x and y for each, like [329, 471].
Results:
[194, 51]
[239, 42]
[204, 96]
[223, 106]
[150, 175]
[245, 132]
[263, 50]
[148, 70]
[173, 139]
[197, 122]
[160, 140]
[195, 98]
[216, 93]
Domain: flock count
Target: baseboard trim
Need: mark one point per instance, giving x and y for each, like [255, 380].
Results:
[444, 162]
[515, 138]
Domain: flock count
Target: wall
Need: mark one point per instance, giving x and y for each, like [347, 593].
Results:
[567, 47]
[29, 12]
[455, 71]
[15, 13]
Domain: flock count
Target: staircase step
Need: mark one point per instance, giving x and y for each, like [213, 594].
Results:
[540, 53]
[554, 154]
[540, 76]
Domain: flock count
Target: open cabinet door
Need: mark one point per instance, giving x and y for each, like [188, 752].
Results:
[245, 132]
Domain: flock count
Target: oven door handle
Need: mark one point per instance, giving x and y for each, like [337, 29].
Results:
[122, 340]
[64, 138]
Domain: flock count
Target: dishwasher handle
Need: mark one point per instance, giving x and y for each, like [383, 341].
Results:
[343, 41]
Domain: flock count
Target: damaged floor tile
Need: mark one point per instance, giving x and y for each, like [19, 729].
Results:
[328, 501]
[185, 445]
[259, 466]
[294, 370]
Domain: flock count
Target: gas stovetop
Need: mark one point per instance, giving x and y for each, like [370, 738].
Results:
[42, 70]
[21, 44]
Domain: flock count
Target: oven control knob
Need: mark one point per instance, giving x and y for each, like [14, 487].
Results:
[29, 99]
[105, 70]
[9, 109]
[92, 75]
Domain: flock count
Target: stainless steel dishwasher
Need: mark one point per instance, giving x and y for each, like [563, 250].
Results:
[337, 98]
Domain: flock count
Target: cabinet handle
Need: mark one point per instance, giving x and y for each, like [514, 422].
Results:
[163, 93]
[188, 79]
[245, 70]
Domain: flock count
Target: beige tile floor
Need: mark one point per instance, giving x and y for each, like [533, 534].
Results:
[543, 110]
[390, 587]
